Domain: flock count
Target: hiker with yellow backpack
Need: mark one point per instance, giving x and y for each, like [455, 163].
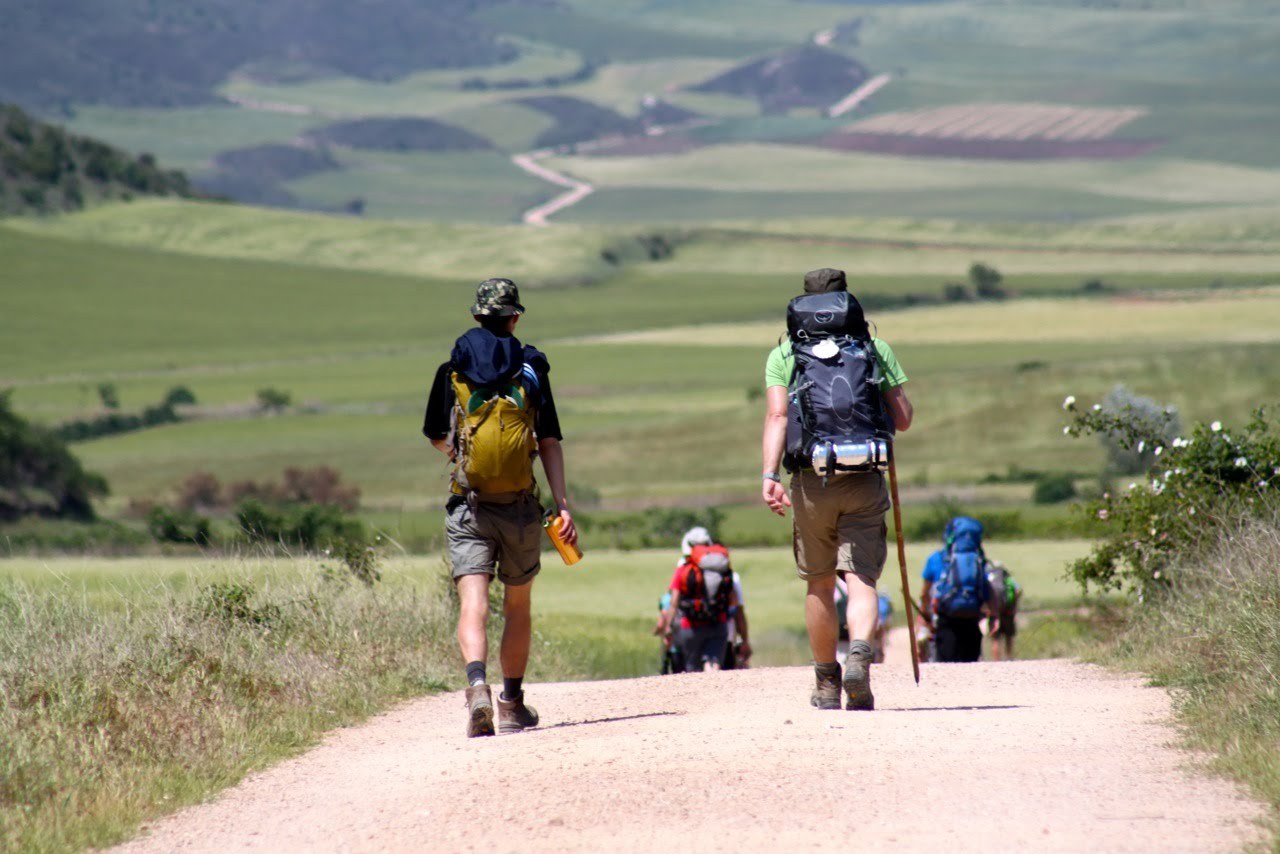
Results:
[492, 413]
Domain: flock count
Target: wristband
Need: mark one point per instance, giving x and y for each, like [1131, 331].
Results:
[771, 475]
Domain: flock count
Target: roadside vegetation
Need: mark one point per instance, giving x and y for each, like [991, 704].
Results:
[1194, 540]
[131, 688]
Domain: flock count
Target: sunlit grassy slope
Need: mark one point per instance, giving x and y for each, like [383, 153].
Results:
[654, 416]
[1213, 244]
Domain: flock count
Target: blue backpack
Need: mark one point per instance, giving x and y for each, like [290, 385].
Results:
[963, 588]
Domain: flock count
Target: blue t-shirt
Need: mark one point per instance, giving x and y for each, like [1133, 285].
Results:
[934, 566]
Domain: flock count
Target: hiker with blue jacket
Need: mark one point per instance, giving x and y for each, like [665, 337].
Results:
[492, 414]
[957, 592]
[834, 397]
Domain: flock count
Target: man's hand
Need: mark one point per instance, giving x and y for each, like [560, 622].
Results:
[744, 650]
[775, 495]
[568, 531]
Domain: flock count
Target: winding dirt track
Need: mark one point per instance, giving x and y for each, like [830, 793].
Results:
[1043, 756]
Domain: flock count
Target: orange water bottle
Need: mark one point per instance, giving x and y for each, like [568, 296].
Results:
[569, 552]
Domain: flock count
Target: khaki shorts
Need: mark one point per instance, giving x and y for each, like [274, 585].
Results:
[502, 539]
[840, 526]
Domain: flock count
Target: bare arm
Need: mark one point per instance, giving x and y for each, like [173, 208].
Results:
[553, 464]
[926, 604]
[443, 446]
[900, 408]
[772, 446]
[669, 618]
[740, 623]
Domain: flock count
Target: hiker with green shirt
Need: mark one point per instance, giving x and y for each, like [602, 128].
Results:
[834, 397]
[1002, 626]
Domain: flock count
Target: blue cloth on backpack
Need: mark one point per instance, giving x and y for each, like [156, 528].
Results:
[959, 571]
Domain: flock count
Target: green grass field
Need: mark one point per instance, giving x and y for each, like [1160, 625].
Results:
[657, 367]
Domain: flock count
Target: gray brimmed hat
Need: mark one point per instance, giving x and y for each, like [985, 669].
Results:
[824, 281]
[497, 297]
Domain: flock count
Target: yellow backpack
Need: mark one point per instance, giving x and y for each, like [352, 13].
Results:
[494, 436]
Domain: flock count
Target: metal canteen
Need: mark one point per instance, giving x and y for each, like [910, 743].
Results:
[832, 458]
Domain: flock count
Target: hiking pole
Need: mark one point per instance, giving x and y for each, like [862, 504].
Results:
[902, 561]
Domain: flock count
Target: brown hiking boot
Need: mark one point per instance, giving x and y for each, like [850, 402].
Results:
[826, 688]
[479, 711]
[857, 678]
[514, 716]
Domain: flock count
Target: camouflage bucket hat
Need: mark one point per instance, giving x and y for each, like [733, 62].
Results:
[498, 297]
[824, 281]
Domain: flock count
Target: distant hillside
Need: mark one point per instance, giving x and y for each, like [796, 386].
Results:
[808, 76]
[132, 53]
[44, 169]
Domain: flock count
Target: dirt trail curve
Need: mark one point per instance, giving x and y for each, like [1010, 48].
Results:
[1040, 756]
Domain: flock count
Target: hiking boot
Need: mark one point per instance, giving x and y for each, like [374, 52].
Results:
[826, 688]
[514, 716]
[857, 678]
[479, 711]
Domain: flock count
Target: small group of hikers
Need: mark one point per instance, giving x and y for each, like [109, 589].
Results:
[702, 617]
[835, 398]
[961, 588]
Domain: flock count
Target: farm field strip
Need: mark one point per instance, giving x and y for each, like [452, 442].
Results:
[790, 169]
[1250, 317]
[1002, 121]
[1213, 244]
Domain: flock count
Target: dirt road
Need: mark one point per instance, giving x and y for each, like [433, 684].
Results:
[1040, 756]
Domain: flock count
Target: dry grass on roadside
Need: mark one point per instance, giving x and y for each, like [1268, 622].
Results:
[111, 716]
[1215, 643]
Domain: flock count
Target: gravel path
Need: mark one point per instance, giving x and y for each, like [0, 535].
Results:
[1043, 755]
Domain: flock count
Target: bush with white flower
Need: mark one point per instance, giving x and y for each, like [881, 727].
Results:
[1196, 487]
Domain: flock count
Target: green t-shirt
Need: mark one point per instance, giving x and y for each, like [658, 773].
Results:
[777, 370]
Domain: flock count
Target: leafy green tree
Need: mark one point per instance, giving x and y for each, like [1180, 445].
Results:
[39, 475]
[108, 395]
[1053, 489]
[986, 281]
[273, 400]
[180, 395]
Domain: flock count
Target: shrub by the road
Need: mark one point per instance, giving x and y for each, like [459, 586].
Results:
[1197, 541]
[1195, 488]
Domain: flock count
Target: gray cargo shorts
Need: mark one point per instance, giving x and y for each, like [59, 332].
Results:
[840, 526]
[496, 538]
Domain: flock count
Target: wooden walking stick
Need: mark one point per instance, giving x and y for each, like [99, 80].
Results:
[902, 564]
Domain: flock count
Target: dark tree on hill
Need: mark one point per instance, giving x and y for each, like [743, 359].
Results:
[986, 281]
[38, 475]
